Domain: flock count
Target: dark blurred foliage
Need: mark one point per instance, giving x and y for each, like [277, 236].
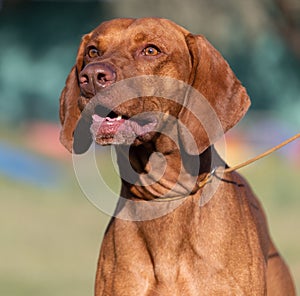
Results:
[39, 40]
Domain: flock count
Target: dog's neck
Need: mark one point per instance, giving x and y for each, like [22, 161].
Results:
[160, 169]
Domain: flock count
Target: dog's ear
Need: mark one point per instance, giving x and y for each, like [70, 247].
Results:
[69, 110]
[226, 100]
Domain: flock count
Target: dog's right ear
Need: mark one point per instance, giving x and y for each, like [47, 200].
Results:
[69, 110]
[222, 99]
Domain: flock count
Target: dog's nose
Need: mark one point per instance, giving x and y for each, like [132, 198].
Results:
[96, 76]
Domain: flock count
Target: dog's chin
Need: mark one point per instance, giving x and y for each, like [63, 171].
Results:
[122, 131]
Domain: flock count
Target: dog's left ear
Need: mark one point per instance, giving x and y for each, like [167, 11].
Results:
[218, 85]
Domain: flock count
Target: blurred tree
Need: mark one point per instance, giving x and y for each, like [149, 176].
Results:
[286, 17]
[39, 41]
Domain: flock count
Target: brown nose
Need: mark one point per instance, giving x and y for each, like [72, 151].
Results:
[96, 76]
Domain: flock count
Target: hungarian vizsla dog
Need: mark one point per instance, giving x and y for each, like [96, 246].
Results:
[174, 231]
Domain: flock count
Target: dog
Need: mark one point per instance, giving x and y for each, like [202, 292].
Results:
[174, 231]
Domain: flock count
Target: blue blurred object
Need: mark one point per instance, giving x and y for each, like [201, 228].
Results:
[24, 166]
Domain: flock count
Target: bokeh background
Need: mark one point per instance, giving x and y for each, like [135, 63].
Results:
[49, 233]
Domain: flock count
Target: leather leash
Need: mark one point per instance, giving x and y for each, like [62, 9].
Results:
[209, 176]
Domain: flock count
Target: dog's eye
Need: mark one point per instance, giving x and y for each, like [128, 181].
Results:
[151, 50]
[93, 52]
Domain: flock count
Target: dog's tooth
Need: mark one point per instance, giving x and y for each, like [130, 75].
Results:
[119, 117]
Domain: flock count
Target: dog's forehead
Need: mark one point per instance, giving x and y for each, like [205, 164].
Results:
[112, 26]
[139, 30]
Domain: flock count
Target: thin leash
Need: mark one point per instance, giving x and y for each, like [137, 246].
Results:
[215, 170]
[208, 177]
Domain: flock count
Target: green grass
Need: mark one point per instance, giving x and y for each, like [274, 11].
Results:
[49, 241]
[50, 238]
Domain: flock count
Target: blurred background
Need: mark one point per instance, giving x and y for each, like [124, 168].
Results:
[50, 234]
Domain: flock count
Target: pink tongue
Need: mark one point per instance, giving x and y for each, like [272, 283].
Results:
[107, 125]
[97, 118]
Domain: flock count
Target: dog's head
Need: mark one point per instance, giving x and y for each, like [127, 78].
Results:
[122, 49]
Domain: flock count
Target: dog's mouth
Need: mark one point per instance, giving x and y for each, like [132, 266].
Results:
[109, 127]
